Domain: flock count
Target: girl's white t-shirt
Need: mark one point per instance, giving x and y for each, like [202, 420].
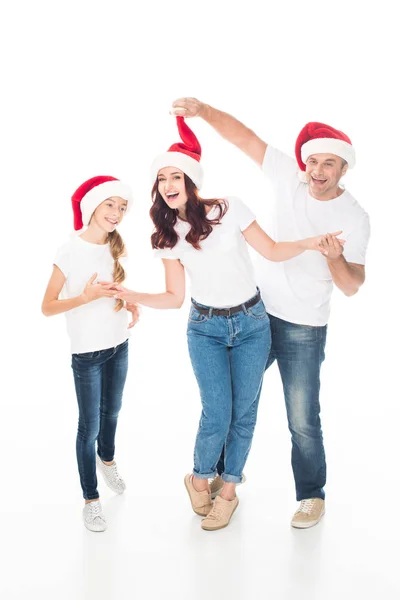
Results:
[93, 326]
[221, 272]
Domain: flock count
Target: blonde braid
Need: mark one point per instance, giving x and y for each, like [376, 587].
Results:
[117, 248]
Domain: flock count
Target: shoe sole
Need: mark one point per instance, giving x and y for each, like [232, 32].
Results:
[222, 526]
[307, 525]
[94, 530]
[201, 514]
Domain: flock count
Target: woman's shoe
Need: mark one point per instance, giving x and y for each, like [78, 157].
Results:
[201, 501]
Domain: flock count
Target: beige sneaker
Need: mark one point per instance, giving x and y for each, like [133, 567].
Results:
[201, 501]
[217, 483]
[309, 513]
[220, 514]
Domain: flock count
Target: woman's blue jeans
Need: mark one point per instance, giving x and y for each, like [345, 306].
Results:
[228, 356]
[99, 382]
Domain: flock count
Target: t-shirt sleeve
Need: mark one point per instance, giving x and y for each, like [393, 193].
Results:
[169, 253]
[62, 259]
[242, 213]
[278, 167]
[355, 248]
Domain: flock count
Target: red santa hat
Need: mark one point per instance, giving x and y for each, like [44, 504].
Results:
[318, 138]
[184, 156]
[93, 192]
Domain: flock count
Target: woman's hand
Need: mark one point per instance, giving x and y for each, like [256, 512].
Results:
[119, 292]
[94, 291]
[325, 243]
[332, 246]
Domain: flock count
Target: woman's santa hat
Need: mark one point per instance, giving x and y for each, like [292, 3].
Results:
[184, 155]
[318, 138]
[92, 193]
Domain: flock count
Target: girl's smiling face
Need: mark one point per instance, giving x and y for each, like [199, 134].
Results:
[109, 214]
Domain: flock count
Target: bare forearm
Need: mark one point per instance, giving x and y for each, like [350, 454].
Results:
[285, 250]
[164, 301]
[56, 307]
[345, 276]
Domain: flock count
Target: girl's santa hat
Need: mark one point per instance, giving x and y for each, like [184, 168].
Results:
[318, 138]
[184, 156]
[92, 193]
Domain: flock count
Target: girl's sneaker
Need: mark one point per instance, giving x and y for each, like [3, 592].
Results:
[111, 476]
[93, 517]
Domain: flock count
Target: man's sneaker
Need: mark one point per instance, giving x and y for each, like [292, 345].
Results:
[201, 501]
[220, 514]
[217, 483]
[111, 476]
[93, 517]
[309, 513]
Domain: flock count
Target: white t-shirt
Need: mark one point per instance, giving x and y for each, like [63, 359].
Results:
[93, 326]
[299, 290]
[221, 272]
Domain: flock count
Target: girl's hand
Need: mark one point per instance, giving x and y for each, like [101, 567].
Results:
[135, 312]
[321, 243]
[94, 291]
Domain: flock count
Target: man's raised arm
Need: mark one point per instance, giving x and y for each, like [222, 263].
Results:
[226, 125]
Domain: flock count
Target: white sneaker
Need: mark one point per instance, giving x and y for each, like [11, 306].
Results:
[111, 476]
[93, 517]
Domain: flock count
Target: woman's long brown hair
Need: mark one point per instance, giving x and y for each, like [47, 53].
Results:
[165, 218]
[117, 248]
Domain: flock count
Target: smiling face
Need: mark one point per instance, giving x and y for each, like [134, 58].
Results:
[109, 214]
[323, 173]
[171, 185]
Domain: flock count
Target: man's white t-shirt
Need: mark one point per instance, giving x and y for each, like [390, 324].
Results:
[93, 326]
[299, 290]
[221, 272]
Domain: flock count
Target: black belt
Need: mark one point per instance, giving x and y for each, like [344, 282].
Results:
[227, 312]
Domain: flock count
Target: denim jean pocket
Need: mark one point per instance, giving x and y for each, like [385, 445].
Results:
[196, 317]
[257, 311]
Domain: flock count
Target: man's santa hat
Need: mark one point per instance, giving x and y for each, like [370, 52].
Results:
[184, 155]
[92, 193]
[318, 138]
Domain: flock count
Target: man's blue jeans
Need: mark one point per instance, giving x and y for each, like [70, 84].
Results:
[99, 383]
[228, 356]
[299, 351]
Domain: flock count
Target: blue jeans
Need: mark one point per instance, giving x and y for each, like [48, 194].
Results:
[228, 356]
[99, 383]
[299, 351]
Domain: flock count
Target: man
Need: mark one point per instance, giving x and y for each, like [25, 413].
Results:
[297, 292]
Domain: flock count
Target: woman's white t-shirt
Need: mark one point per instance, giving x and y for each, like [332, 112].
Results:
[221, 272]
[93, 326]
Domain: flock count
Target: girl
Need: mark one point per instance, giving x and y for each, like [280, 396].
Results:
[228, 330]
[97, 328]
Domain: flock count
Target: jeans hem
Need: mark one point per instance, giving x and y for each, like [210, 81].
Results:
[300, 497]
[231, 478]
[96, 497]
[205, 475]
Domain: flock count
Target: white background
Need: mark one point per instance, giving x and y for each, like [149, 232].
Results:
[86, 89]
